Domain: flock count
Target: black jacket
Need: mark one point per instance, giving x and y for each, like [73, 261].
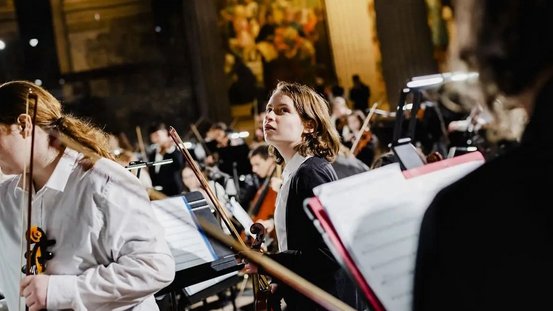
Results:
[486, 242]
[169, 175]
[307, 253]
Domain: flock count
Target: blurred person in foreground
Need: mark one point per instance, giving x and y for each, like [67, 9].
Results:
[485, 241]
[109, 252]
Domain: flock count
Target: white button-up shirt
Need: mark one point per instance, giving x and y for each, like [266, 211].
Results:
[110, 253]
[282, 197]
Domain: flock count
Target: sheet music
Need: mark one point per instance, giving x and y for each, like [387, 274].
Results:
[196, 288]
[241, 215]
[188, 244]
[377, 215]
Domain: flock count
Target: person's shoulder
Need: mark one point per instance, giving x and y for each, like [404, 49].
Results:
[316, 165]
[315, 162]
[8, 182]
[106, 170]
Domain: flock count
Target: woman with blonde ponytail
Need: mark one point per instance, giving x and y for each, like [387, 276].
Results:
[109, 251]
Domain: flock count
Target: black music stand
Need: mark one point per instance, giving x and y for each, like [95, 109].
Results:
[224, 264]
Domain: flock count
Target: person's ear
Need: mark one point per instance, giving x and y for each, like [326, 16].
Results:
[25, 124]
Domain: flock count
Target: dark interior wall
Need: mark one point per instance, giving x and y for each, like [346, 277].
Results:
[405, 42]
[207, 59]
[34, 19]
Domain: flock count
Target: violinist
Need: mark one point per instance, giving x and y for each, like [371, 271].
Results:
[366, 146]
[229, 154]
[297, 126]
[263, 205]
[108, 250]
[165, 178]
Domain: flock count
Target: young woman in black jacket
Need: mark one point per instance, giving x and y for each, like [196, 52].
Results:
[297, 126]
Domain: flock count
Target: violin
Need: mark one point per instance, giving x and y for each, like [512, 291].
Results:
[39, 254]
[365, 135]
[364, 140]
[262, 289]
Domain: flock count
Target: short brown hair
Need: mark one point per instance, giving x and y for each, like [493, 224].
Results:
[311, 107]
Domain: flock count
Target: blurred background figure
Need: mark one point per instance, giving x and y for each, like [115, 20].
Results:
[165, 178]
[359, 93]
[262, 206]
[485, 240]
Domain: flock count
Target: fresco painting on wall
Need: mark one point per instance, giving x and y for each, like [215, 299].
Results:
[271, 40]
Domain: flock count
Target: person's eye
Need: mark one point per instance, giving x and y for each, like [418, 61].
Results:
[282, 110]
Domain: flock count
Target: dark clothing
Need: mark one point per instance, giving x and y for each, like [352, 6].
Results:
[486, 241]
[307, 253]
[359, 95]
[169, 176]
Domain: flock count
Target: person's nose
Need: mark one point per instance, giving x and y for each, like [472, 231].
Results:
[269, 116]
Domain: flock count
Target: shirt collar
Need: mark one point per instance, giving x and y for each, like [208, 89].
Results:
[293, 165]
[60, 175]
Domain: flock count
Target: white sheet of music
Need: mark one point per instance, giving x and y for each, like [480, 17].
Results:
[188, 245]
[196, 288]
[377, 215]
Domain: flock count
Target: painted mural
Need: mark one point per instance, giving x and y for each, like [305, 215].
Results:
[271, 40]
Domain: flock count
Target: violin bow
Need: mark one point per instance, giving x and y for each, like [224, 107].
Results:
[141, 146]
[29, 185]
[30, 182]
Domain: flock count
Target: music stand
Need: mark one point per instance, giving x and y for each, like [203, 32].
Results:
[138, 165]
[224, 263]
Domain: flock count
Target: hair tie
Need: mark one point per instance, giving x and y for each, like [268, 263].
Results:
[58, 122]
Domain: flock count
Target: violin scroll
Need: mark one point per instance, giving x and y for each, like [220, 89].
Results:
[259, 231]
[39, 254]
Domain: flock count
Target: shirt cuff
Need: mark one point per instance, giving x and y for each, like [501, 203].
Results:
[62, 290]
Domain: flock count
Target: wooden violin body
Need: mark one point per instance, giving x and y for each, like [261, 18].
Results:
[366, 138]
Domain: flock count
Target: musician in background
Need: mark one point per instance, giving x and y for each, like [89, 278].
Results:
[366, 147]
[165, 178]
[298, 128]
[262, 207]
[346, 164]
[109, 251]
[192, 183]
[485, 241]
[230, 154]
